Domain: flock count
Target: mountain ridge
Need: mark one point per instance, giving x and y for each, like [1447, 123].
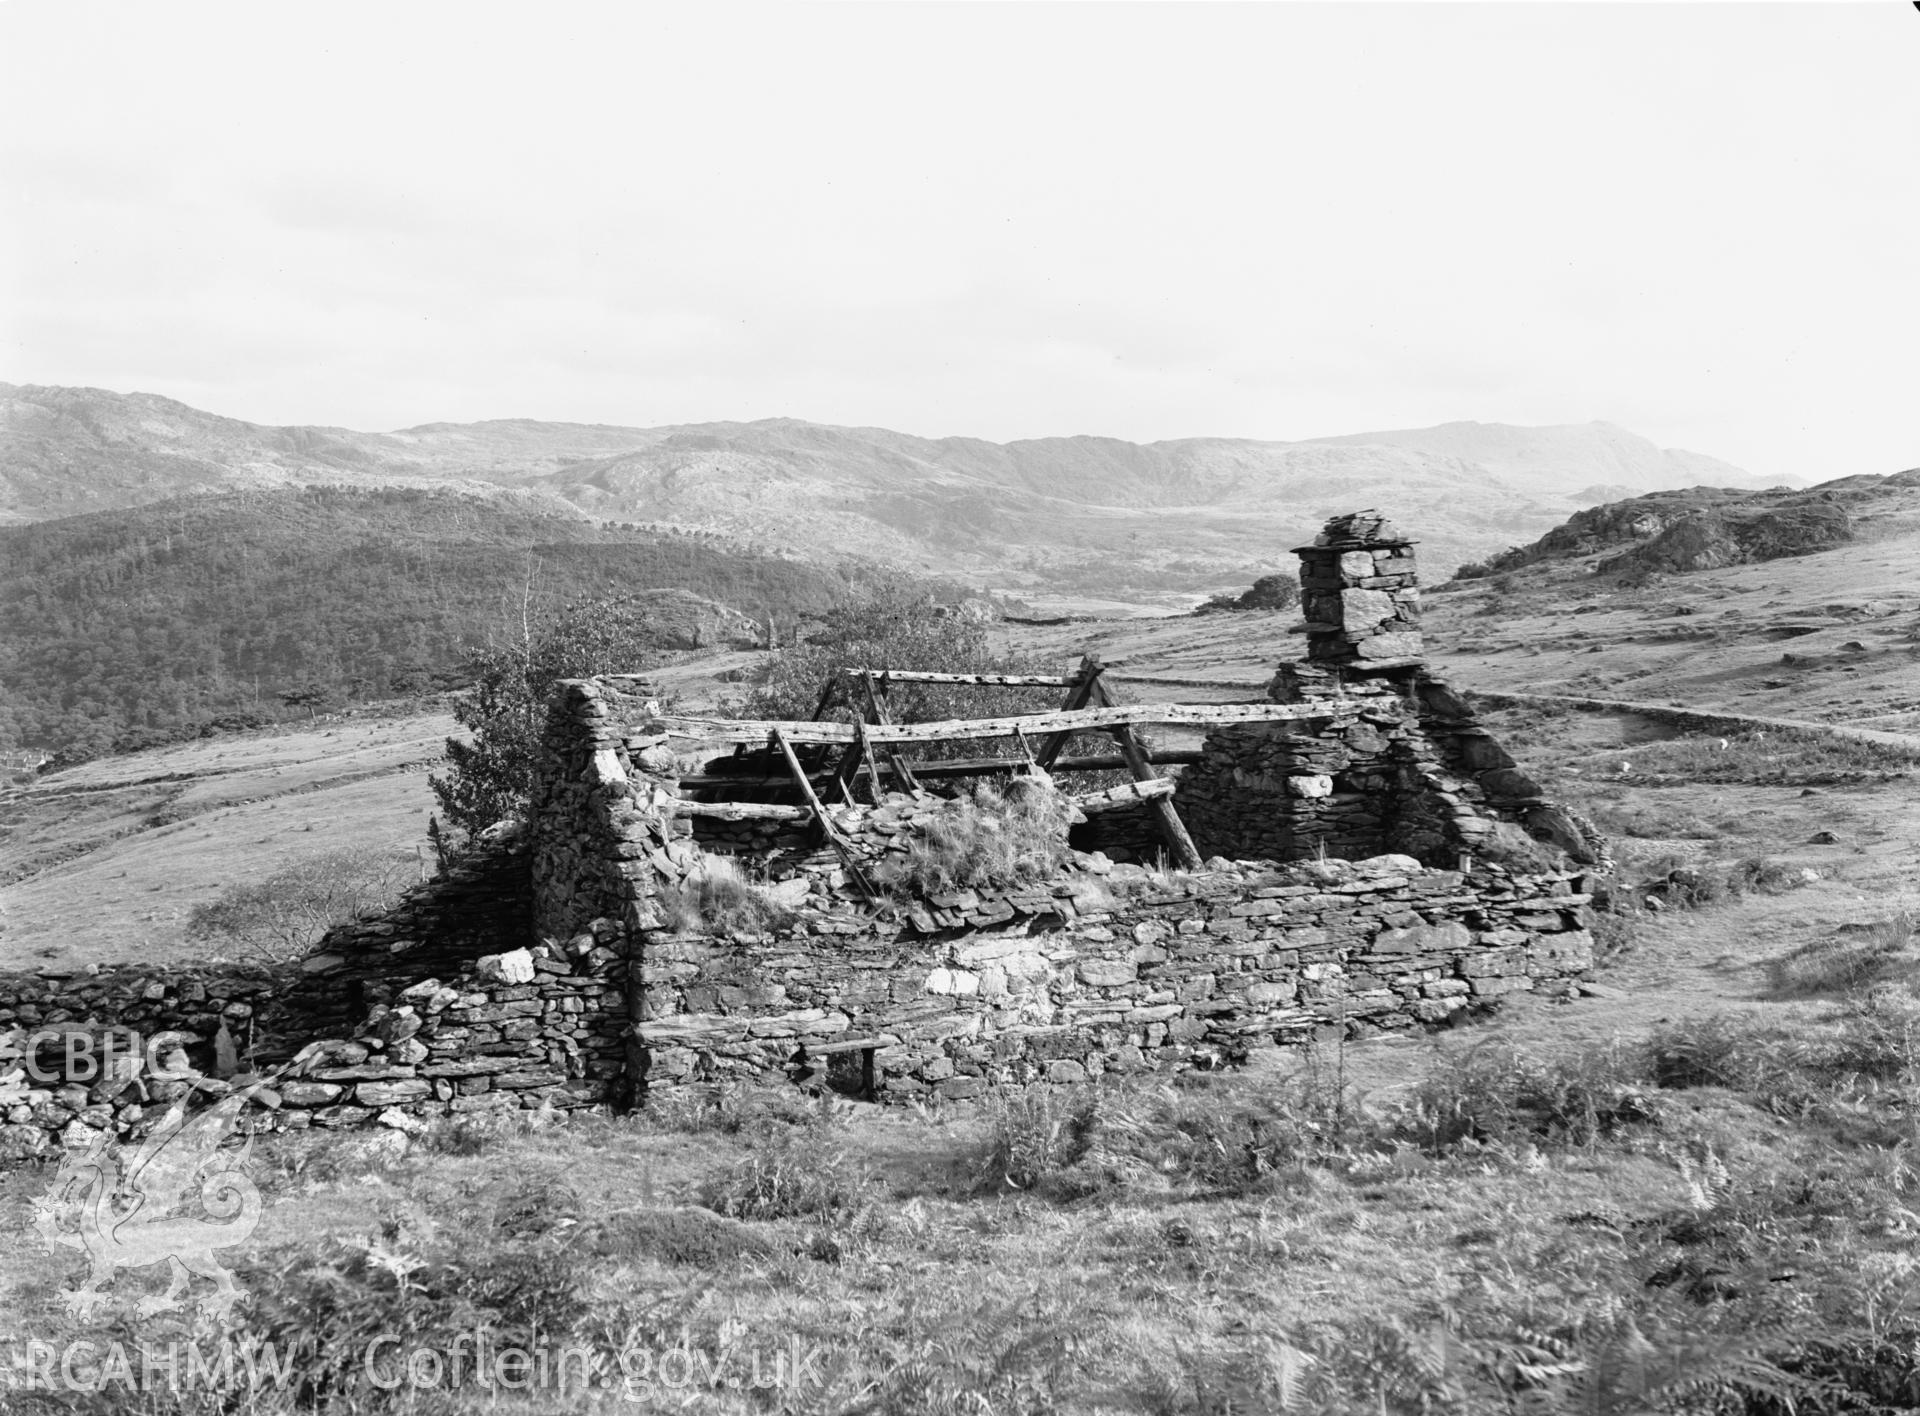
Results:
[1085, 515]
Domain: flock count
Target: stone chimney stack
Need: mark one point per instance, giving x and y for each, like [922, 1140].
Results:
[1360, 592]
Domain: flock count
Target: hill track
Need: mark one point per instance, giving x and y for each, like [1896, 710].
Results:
[1696, 718]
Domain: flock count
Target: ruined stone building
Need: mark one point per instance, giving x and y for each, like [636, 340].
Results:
[1353, 854]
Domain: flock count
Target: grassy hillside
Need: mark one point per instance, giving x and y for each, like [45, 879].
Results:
[128, 624]
[1805, 606]
[1801, 628]
[106, 861]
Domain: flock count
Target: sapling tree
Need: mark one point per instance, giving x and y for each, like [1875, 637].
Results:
[490, 773]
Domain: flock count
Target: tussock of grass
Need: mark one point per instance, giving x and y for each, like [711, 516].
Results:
[1843, 963]
[1866, 1064]
[988, 838]
[730, 1109]
[1759, 875]
[459, 1135]
[794, 1178]
[1073, 1144]
[325, 1307]
[1681, 884]
[1036, 1135]
[1717, 1051]
[1656, 822]
[716, 899]
[1614, 935]
[695, 1238]
[1496, 1094]
[537, 1205]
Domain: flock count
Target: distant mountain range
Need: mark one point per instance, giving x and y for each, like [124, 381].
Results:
[1090, 517]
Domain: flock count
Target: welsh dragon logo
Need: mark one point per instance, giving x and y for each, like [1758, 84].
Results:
[132, 1213]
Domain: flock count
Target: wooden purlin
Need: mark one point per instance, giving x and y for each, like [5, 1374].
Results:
[871, 772]
[742, 810]
[1079, 720]
[1124, 794]
[840, 843]
[988, 680]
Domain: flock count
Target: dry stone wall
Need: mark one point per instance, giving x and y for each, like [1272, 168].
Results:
[530, 1027]
[601, 828]
[1109, 969]
[66, 1037]
[479, 905]
[415, 1012]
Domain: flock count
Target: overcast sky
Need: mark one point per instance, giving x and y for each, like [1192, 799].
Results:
[1004, 221]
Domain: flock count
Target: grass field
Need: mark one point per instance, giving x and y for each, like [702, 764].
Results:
[1592, 1206]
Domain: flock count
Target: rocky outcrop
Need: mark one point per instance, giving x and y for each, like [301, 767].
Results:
[1708, 540]
[1701, 528]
